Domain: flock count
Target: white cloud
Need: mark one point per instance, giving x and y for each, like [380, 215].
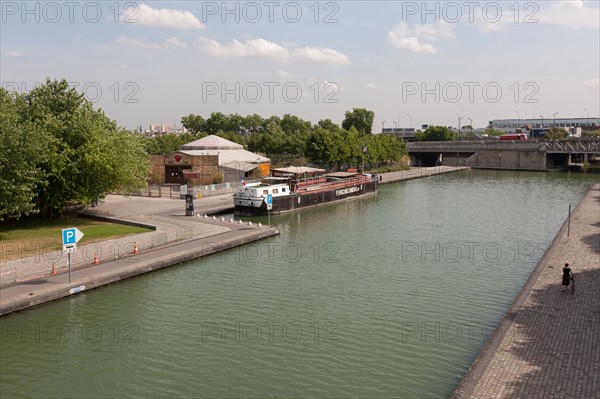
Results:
[592, 82]
[285, 74]
[571, 13]
[263, 48]
[171, 42]
[404, 38]
[321, 55]
[371, 86]
[12, 53]
[163, 17]
[253, 47]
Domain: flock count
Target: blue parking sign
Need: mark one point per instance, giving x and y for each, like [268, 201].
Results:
[71, 236]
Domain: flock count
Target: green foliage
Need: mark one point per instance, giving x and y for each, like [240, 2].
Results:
[591, 133]
[217, 178]
[194, 123]
[83, 154]
[556, 133]
[21, 149]
[493, 132]
[436, 133]
[359, 118]
[231, 136]
[166, 144]
[325, 144]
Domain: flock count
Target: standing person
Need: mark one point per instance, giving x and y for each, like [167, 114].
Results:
[567, 277]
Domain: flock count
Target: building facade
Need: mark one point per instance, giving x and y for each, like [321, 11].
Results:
[209, 160]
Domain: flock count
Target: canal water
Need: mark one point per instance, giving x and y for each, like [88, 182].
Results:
[387, 296]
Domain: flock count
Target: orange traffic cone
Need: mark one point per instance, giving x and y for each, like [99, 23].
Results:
[96, 260]
[135, 249]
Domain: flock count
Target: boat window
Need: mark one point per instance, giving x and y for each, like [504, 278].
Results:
[275, 190]
[283, 189]
[265, 192]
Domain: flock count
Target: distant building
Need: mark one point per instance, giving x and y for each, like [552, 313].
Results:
[159, 130]
[405, 133]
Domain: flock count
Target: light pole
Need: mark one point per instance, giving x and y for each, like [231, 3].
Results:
[395, 125]
[460, 118]
[518, 120]
[542, 121]
[554, 121]
[382, 126]
[471, 124]
[587, 113]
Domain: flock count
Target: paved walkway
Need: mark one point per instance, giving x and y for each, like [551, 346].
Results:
[167, 215]
[548, 344]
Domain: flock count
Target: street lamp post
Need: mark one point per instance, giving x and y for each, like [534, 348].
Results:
[460, 118]
[382, 126]
[587, 113]
[518, 120]
[471, 124]
[554, 121]
[542, 121]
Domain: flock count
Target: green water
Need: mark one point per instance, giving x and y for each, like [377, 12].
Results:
[388, 296]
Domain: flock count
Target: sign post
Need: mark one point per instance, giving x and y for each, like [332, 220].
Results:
[269, 206]
[70, 237]
[189, 205]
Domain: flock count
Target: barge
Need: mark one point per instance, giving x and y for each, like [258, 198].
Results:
[290, 192]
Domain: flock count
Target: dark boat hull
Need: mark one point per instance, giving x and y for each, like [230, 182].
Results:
[309, 199]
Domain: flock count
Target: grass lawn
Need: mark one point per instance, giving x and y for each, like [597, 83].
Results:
[22, 238]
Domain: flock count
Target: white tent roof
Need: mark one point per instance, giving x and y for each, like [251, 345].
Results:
[228, 156]
[212, 142]
[229, 153]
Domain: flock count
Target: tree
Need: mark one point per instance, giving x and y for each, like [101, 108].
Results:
[556, 133]
[359, 118]
[436, 133]
[328, 124]
[166, 144]
[194, 123]
[252, 124]
[271, 141]
[87, 155]
[21, 149]
[322, 147]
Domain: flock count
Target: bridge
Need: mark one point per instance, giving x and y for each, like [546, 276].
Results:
[496, 154]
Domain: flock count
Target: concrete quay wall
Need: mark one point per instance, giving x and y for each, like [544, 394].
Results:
[25, 296]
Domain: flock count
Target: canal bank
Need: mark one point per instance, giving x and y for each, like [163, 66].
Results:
[41, 278]
[345, 302]
[165, 216]
[546, 345]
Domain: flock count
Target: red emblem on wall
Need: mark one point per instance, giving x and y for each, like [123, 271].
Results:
[178, 158]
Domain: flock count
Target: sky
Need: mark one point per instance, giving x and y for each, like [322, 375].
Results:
[412, 63]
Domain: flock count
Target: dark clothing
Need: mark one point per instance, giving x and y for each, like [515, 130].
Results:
[567, 276]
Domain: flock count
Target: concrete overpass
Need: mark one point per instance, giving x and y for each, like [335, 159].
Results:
[496, 154]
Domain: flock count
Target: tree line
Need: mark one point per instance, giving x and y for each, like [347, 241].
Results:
[324, 144]
[56, 148]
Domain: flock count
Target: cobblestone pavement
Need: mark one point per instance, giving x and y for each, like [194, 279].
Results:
[547, 345]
